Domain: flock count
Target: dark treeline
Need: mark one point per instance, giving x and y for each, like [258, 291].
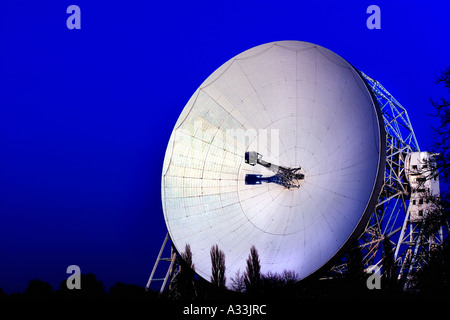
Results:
[91, 288]
[433, 281]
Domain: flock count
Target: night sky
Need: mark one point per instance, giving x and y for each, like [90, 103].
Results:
[85, 115]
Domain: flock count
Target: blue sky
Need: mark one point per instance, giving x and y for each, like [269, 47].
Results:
[85, 115]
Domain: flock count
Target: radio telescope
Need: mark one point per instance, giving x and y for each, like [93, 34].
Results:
[281, 148]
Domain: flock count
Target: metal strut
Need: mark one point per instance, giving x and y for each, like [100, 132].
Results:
[169, 273]
[287, 177]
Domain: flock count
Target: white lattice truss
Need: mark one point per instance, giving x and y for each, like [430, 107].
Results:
[390, 220]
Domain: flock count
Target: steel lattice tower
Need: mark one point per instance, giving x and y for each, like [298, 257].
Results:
[391, 220]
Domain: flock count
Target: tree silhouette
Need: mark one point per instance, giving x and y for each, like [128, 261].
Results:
[433, 272]
[289, 277]
[129, 291]
[355, 266]
[441, 132]
[238, 282]
[432, 277]
[187, 257]
[38, 289]
[438, 214]
[183, 285]
[218, 266]
[389, 268]
[91, 288]
[252, 277]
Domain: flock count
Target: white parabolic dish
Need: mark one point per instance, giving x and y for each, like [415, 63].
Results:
[297, 104]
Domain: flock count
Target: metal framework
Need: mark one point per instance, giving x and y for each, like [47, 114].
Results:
[172, 269]
[390, 220]
[391, 209]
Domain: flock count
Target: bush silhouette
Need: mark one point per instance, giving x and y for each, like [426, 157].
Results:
[91, 288]
[38, 289]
